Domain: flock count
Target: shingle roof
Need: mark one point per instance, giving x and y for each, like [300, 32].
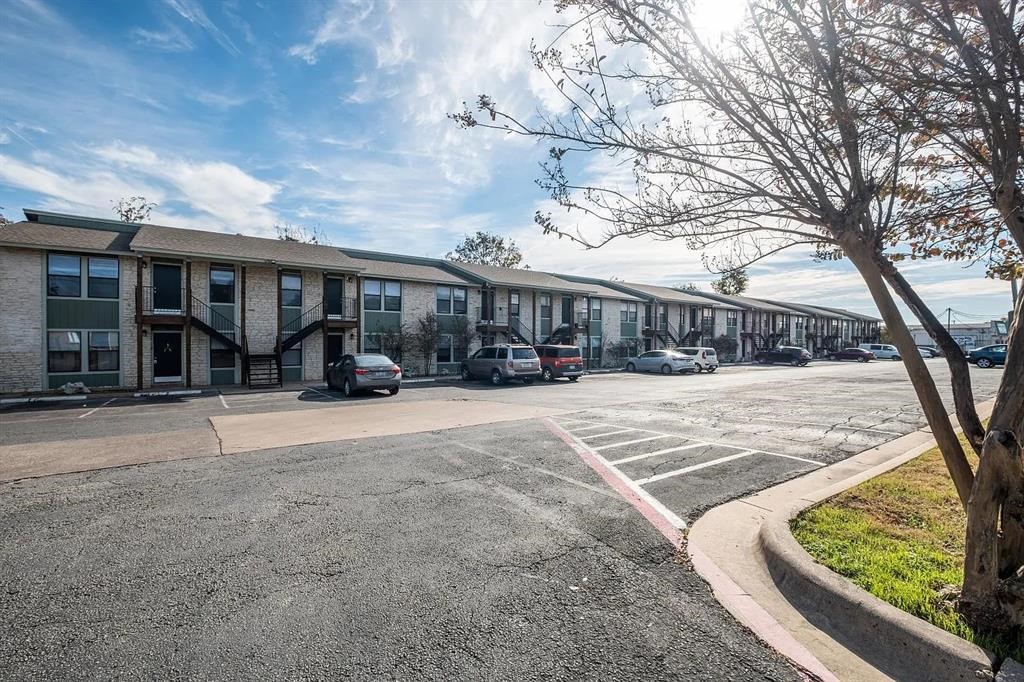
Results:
[747, 302]
[515, 277]
[844, 311]
[176, 240]
[812, 309]
[407, 271]
[42, 235]
[674, 295]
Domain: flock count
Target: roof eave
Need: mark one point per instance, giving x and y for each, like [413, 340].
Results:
[143, 251]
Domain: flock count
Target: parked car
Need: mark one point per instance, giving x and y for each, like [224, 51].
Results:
[882, 351]
[929, 351]
[560, 361]
[988, 356]
[502, 362]
[664, 361]
[364, 372]
[858, 354]
[793, 355]
[706, 359]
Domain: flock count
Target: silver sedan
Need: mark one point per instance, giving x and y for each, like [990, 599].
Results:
[364, 372]
[664, 361]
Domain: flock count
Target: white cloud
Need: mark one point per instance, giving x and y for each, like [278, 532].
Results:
[173, 39]
[5, 137]
[193, 12]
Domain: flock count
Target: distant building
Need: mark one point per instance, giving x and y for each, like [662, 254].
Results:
[967, 334]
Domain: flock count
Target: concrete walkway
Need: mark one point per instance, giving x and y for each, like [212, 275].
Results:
[726, 552]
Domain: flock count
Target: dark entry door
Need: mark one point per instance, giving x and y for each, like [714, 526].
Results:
[167, 355]
[335, 346]
[166, 286]
[566, 309]
[335, 290]
[487, 306]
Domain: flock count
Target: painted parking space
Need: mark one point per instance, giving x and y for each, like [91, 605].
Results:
[679, 472]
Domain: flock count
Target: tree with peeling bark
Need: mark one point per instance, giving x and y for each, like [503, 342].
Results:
[782, 135]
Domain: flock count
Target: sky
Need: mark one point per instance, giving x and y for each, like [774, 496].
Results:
[238, 115]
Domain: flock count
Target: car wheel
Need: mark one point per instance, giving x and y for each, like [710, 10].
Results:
[897, 358]
[466, 374]
[762, 361]
[496, 378]
[347, 389]
[795, 363]
[630, 367]
[711, 370]
[666, 369]
[393, 391]
[984, 363]
[698, 369]
[573, 378]
[527, 380]
[547, 374]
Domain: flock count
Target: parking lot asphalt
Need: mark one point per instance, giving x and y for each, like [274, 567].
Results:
[489, 551]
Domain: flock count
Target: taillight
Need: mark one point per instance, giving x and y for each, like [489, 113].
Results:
[396, 369]
[361, 372]
[509, 365]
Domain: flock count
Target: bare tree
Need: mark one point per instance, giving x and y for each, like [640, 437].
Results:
[486, 248]
[394, 341]
[425, 336]
[133, 209]
[464, 334]
[776, 137]
[300, 233]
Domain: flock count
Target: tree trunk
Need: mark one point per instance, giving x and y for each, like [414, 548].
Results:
[959, 372]
[993, 594]
[862, 256]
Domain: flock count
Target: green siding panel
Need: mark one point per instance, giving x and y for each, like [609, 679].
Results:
[222, 377]
[627, 329]
[291, 373]
[380, 321]
[95, 380]
[447, 323]
[595, 327]
[76, 313]
[290, 319]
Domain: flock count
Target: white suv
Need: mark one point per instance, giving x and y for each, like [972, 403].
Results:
[882, 351]
[706, 359]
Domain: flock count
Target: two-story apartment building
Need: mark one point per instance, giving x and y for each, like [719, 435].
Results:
[763, 324]
[830, 329]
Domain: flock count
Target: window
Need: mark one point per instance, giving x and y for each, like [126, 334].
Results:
[488, 353]
[501, 353]
[103, 352]
[63, 275]
[64, 351]
[444, 349]
[524, 354]
[628, 311]
[451, 300]
[293, 356]
[595, 309]
[291, 290]
[513, 304]
[222, 285]
[221, 357]
[731, 318]
[393, 296]
[371, 294]
[444, 301]
[371, 342]
[545, 306]
[102, 278]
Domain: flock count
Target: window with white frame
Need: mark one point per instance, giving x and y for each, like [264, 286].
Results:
[64, 351]
[595, 309]
[628, 311]
[63, 275]
[380, 295]
[104, 352]
[451, 300]
[103, 274]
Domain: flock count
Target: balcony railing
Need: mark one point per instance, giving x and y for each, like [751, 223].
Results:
[494, 317]
[582, 318]
[161, 301]
[345, 309]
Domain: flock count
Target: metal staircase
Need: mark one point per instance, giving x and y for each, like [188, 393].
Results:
[216, 325]
[519, 331]
[298, 328]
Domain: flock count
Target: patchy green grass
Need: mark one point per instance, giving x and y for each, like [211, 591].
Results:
[900, 536]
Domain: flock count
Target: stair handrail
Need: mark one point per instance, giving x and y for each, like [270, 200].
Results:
[309, 316]
[516, 323]
[215, 320]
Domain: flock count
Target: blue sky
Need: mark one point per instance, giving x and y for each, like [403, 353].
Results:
[237, 115]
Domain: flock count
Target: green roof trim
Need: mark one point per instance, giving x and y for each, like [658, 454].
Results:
[68, 220]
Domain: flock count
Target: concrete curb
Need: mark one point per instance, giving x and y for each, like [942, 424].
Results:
[749, 555]
[912, 648]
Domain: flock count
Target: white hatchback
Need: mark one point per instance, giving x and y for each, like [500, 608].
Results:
[882, 351]
[706, 359]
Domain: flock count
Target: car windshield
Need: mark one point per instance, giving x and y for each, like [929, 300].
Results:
[523, 354]
[372, 360]
[687, 351]
[569, 352]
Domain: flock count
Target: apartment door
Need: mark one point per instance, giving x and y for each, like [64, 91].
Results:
[487, 305]
[566, 309]
[334, 294]
[166, 287]
[166, 356]
[335, 347]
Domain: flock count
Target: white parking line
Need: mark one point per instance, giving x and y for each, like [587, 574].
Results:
[609, 433]
[223, 402]
[630, 442]
[666, 451]
[328, 395]
[695, 467]
[583, 428]
[799, 459]
[96, 408]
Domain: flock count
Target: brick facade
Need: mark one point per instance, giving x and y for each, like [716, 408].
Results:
[22, 344]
